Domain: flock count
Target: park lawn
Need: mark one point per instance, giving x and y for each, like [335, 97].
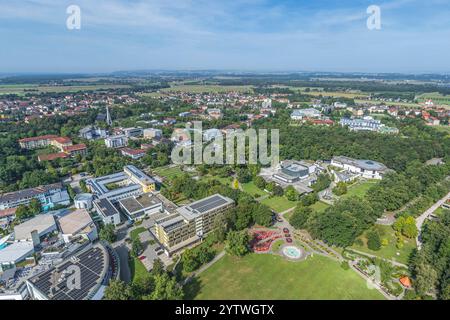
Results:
[319, 206]
[279, 204]
[227, 181]
[266, 276]
[391, 250]
[252, 189]
[359, 188]
[168, 172]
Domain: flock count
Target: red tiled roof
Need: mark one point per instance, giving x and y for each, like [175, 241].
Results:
[62, 140]
[52, 156]
[75, 147]
[46, 137]
[7, 212]
[405, 281]
[132, 152]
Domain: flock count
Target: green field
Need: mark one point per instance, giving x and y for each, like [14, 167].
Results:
[319, 206]
[168, 172]
[253, 190]
[436, 97]
[359, 188]
[390, 251]
[32, 88]
[264, 276]
[279, 204]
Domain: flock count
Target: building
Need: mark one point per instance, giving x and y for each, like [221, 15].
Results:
[37, 142]
[95, 264]
[7, 216]
[215, 113]
[292, 170]
[137, 208]
[367, 124]
[42, 224]
[92, 133]
[152, 133]
[191, 223]
[83, 201]
[133, 132]
[77, 149]
[133, 153]
[301, 114]
[117, 141]
[364, 168]
[107, 211]
[49, 196]
[77, 223]
[364, 124]
[14, 253]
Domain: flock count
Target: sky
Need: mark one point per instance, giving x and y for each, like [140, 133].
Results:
[246, 35]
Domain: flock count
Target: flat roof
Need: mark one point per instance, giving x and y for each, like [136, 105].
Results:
[74, 221]
[142, 202]
[41, 223]
[106, 207]
[93, 264]
[203, 206]
[16, 251]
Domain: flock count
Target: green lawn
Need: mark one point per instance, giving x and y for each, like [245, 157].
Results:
[135, 233]
[359, 188]
[264, 276]
[169, 173]
[319, 206]
[137, 269]
[253, 190]
[390, 251]
[279, 204]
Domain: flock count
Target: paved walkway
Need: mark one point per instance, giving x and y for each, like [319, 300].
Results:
[421, 219]
[399, 264]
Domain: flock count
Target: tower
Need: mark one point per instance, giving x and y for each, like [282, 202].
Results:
[108, 117]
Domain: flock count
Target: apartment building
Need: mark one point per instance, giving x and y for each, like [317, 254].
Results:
[117, 141]
[190, 223]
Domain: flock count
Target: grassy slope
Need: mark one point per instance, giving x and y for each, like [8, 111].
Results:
[262, 276]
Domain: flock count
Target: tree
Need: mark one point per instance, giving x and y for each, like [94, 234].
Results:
[108, 233]
[237, 243]
[277, 191]
[300, 217]
[262, 215]
[340, 189]
[158, 267]
[136, 247]
[35, 207]
[426, 279]
[235, 184]
[243, 175]
[291, 194]
[410, 229]
[373, 240]
[22, 212]
[117, 290]
[260, 182]
[190, 261]
[142, 286]
[166, 288]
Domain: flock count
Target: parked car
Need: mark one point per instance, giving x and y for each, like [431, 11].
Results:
[288, 240]
[142, 258]
[285, 230]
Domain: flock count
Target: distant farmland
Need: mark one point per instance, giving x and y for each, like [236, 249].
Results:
[435, 96]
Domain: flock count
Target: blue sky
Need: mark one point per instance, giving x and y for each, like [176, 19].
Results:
[253, 35]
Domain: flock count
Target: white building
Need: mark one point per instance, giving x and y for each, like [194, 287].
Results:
[133, 132]
[117, 141]
[107, 211]
[365, 168]
[83, 201]
[152, 133]
[300, 114]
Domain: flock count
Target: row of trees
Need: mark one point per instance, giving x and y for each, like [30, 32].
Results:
[156, 285]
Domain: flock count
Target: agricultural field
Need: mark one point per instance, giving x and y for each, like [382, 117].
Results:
[435, 96]
[207, 88]
[390, 251]
[266, 276]
[32, 88]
